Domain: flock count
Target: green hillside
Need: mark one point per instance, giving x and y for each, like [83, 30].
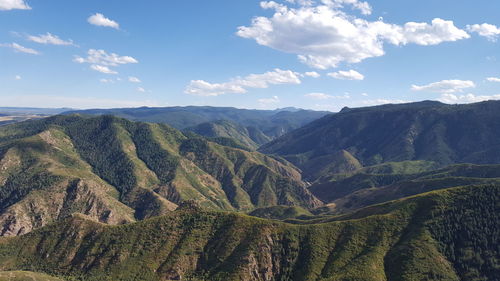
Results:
[25, 276]
[249, 137]
[345, 193]
[117, 171]
[430, 131]
[451, 234]
[262, 125]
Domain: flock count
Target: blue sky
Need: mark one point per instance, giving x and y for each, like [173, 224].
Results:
[323, 54]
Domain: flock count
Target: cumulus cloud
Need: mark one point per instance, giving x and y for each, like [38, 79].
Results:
[50, 39]
[445, 86]
[347, 75]
[363, 7]
[6, 5]
[322, 36]
[102, 69]
[100, 20]
[241, 85]
[141, 89]
[468, 98]
[493, 79]
[312, 74]
[101, 61]
[20, 49]
[134, 79]
[101, 57]
[487, 30]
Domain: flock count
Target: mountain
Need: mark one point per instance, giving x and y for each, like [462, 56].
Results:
[367, 187]
[250, 137]
[262, 125]
[449, 234]
[430, 131]
[25, 276]
[117, 171]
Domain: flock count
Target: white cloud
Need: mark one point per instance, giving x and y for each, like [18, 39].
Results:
[6, 5]
[134, 79]
[364, 94]
[312, 74]
[100, 60]
[469, 98]
[445, 86]
[103, 58]
[493, 79]
[50, 39]
[489, 31]
[102, 69]
[104, 80]
[323, 36]
[18, 77]
[73, 102]
[318, 96]
[140, 89]
[347, 75]
[265, 103]
[382, 101]
[240, 85]
[323, 96]
[363, 7]
[100, 20]
[20, 49]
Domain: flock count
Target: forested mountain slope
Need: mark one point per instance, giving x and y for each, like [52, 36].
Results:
[446, 235]
[117, 171]
[431, 131]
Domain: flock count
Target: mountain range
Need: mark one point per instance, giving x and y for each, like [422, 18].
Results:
[392, 192]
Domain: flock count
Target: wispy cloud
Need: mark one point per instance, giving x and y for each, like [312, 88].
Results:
[493, 79]
[445, 86]
[241, 85]
[50, 39]
[347, 75]
[468, 98]
[102, 69]
[134, 79]
[20, 49]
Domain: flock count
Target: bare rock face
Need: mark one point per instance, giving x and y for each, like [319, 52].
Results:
[77, 196]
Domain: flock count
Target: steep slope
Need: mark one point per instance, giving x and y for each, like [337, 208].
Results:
[363, 189]
[26, 276]
[446, 235]
[431, 131]
[116, 171]
[250, 137]
[270, 123]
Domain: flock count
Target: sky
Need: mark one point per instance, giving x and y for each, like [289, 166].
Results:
[321, 54]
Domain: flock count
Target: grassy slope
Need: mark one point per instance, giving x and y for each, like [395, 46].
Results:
[25, 276]
[414, 239]
[362, 189]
